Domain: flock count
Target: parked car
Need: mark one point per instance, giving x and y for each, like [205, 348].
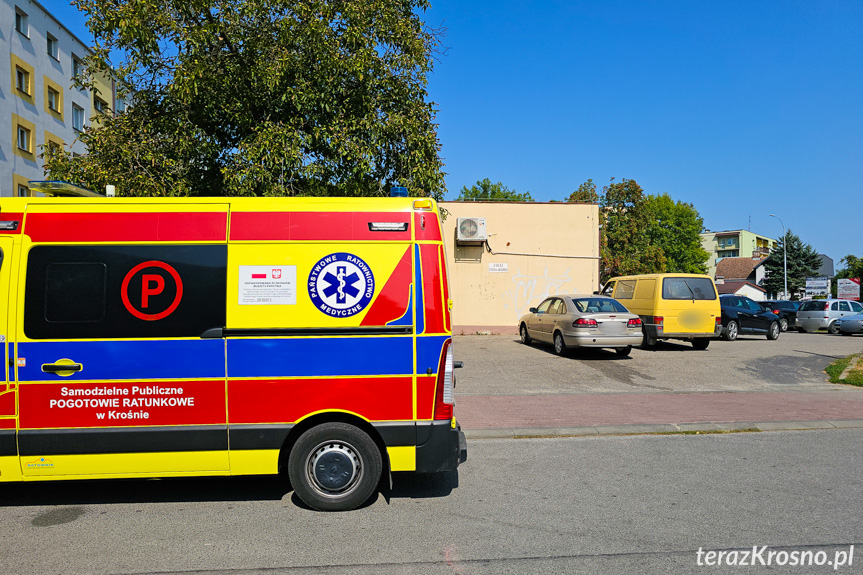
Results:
[823, 313]
[850, 324]
[568, 321]
[785, 309]
[741, 315]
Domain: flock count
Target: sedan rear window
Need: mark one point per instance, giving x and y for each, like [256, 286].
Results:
[599, 305]
[688, 288]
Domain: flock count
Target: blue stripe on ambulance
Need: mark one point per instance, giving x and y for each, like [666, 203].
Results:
[320, 357]
[408, 317]
[138, 359]
[418, 281]
[429, 349]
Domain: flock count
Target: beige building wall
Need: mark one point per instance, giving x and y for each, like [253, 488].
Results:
[534, 250]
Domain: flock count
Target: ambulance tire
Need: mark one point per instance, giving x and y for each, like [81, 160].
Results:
[335, 467]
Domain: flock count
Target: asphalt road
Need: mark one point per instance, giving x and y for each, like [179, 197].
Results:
[642, 504]
[501, 364]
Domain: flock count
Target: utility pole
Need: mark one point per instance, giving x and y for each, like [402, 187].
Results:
[784, 254]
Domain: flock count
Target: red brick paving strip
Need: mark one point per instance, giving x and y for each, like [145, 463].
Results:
[538, 411]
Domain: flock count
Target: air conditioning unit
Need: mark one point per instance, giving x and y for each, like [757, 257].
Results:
[471, 230]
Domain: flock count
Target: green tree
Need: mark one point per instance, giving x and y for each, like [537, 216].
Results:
[803, 262]
[486, 190]
[624, 217]
[262, 97]
[675, 227]
[853, 267]
[586, 193]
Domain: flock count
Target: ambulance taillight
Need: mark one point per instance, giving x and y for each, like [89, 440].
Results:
[444, 401]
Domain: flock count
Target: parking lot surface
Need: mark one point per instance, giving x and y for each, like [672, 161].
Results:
[502, 365]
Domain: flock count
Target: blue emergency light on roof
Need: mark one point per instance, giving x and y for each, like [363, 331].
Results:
[398, 192]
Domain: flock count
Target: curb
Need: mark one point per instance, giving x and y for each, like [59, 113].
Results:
[646, 429]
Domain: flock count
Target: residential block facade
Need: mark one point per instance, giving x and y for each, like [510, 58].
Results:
[39, 104]
[734, 244]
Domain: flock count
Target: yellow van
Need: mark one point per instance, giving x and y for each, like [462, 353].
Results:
[671, 306]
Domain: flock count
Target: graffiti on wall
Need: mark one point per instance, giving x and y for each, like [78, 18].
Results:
[530, 290]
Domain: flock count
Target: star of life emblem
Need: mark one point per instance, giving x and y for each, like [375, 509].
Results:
[341, 284]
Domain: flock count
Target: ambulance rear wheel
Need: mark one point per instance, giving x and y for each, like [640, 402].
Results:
[335, 467]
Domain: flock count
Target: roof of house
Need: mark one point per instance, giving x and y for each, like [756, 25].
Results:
[736, 268]
[734, 287]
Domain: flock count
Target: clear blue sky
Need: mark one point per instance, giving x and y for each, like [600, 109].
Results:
[741, 108]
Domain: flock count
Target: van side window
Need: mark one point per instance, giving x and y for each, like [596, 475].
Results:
[645, 289]
[80, 292]
[625, 289]
[608, 289]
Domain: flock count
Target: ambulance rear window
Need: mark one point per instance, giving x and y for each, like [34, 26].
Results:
[124, 291]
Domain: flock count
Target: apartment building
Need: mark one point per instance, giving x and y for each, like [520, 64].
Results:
[39, 104]
[734, 244]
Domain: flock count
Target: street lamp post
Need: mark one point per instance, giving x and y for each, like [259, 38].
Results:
[784, 254]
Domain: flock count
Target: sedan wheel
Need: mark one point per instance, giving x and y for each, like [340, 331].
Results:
[559, 345]
[774, 331]
[623, 351]
[783, 323]
[832, 329]
[730, 331]
[525, 338]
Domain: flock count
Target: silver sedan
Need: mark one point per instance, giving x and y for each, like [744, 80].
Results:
[850, 325]
[568, 321]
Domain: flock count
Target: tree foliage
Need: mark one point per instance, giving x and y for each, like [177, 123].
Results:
[586, 193]
[853, 267]
[675, 227]
[486, 190]
[624, 216]
[643, 234]
[803, 262]
[262, 97]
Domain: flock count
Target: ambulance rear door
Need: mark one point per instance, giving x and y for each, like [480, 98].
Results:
[114, 375]
[9, 467]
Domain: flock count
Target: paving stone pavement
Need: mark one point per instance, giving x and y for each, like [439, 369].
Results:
[590, 414]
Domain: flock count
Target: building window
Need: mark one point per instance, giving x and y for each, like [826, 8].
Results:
[21, 22]
[100, 105]
[77, 66]
[54, 100]
[23, 191]
[53, 47]
[23, 139]
[22, 80]
[77, 117]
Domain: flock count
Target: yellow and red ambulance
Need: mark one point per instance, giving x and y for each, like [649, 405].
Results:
[226, 336]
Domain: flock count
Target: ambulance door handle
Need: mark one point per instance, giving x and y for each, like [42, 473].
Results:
[58, 367]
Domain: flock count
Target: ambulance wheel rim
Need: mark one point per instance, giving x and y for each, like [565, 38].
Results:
[334, 468]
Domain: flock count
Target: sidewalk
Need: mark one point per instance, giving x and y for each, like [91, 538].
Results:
[487, 416]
